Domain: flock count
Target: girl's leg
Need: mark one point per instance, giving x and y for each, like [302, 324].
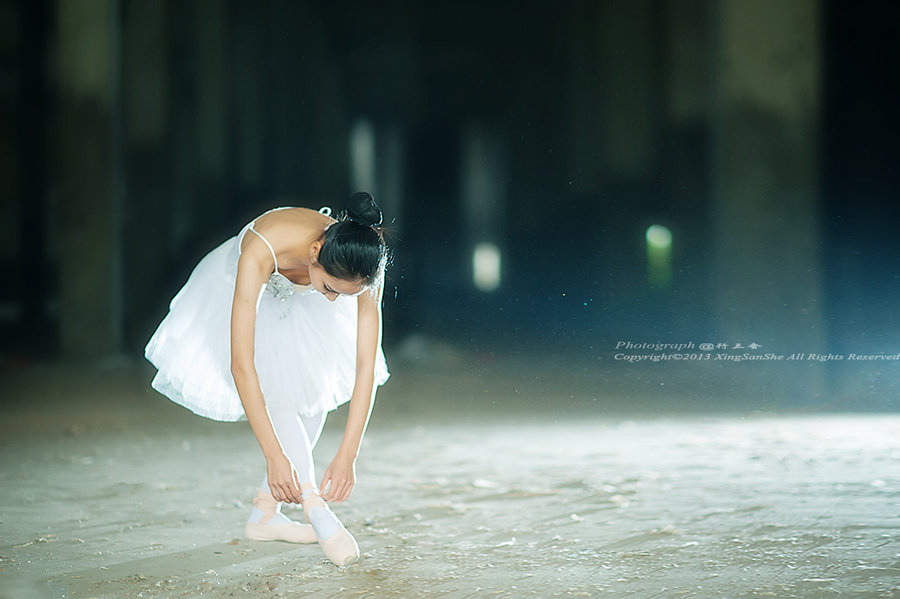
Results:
[313, 426]
[324, 521]
[338, 544]
[266, 522]
[298, 436]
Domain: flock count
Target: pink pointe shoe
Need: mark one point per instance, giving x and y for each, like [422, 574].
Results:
[290, 531]
[336, 542]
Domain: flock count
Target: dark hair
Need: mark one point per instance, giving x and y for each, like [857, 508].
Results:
[353, 248]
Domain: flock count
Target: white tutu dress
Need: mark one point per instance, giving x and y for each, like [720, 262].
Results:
[305, 346]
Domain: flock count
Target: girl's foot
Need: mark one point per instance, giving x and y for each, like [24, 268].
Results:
[338, 545]
[267, 523]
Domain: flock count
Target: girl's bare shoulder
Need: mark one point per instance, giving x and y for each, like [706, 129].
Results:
[291, 232]
[293, 219]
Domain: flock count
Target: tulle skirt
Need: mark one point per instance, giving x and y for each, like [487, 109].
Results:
[305, 346]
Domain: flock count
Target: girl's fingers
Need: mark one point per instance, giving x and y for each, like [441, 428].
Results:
[341, 492]
[292, 495]
[335, 490]
[285, 492]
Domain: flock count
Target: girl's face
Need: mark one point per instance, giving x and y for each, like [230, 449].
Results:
[329, 286]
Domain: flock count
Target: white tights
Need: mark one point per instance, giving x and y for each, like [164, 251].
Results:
[298, 436]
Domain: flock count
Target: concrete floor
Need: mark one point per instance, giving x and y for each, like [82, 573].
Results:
[469, 486]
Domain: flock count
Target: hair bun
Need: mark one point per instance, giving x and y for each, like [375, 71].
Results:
[362, 209]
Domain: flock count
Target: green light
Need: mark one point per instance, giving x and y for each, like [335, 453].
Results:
[659, 236]
[659, 256]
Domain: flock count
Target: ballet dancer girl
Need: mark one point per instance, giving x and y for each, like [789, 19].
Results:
[280, 325]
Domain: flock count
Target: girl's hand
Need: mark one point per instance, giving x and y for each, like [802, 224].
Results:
[339, 479]
[283, 481]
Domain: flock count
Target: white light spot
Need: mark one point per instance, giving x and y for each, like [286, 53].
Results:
[486, 267]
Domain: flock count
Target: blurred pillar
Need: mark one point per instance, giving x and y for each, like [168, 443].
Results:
[686, 61]
[613, 125]
[198, 99]
[210, 112]
[362, 157]
[306, 110]
[377, 165]
[391, 175]
[249, 97]
[687, 58]
[89, 195]
[23, 171]
[147, 207]
[17, 159]
[183, 159]
[613, 136]
[765, 198]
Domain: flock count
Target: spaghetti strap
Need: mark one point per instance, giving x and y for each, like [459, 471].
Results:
[268, 245]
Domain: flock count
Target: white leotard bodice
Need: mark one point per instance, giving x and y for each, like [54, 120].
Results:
[279, 285]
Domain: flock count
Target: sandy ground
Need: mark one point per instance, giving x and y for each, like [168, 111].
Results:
[468, 487]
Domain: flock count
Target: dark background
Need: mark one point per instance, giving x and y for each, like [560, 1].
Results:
[138, 135]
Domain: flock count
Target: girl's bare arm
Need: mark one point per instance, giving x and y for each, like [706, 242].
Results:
[253, 271]
[340, 473]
